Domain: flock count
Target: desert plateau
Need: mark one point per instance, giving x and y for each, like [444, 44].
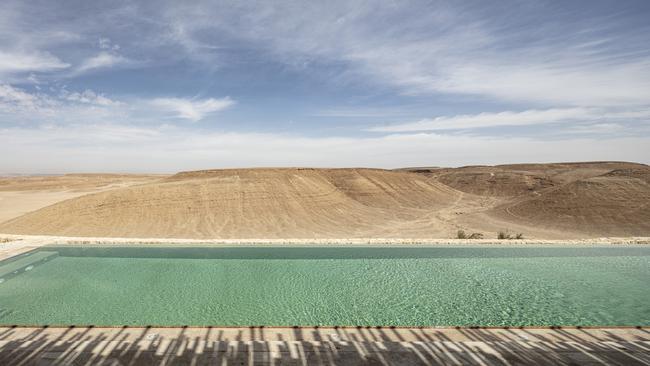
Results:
[539, 201]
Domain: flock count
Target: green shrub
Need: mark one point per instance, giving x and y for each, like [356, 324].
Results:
[461, 234]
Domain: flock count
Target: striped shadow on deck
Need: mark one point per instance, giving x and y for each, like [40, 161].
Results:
[324, 346]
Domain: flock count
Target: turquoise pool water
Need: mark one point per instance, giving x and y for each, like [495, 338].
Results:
[403, 286]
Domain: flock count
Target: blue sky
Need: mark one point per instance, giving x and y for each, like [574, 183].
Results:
[162, 86]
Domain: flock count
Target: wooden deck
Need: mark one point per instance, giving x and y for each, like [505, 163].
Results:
[324, 346]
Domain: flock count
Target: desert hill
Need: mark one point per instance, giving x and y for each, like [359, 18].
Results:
[516, 179]
[73, 182]
[566, 200]
[616, 203]
[246, 203]
[23, 194]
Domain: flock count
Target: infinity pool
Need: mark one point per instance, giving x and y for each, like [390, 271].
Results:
[369, 286]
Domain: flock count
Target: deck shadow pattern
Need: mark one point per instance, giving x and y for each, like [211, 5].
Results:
[323, 346]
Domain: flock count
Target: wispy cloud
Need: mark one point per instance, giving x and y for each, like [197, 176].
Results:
[89, 97]
[192, 109]
[360, 112]
[24, 62]
[35, 40]
[563, 83]
[11, 97]
[118, 147]
[31, 102]
[73, 107]
[412, 48]
[444, 48]
[510, 118]
[102, 60]
[21, 107]
[106, 44]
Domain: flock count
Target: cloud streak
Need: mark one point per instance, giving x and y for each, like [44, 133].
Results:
[192, 109]
[72, 107]
[444, 48]
[89, 97]
[34, 61]
[19, 107]
[523, 118]
[118, 148]
[102, 60]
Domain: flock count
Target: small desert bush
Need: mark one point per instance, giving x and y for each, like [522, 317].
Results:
[5, 240]
[462, 235]
[504, 235]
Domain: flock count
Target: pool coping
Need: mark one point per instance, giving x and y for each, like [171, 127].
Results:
[55, 239]
[19, 244]
[333, 327]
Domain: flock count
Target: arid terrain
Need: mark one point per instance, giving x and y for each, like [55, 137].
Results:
[22, 194]
[551, 201]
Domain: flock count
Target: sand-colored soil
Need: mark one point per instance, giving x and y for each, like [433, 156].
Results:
[553, 201]
[74, 182]
[20, 195]
[616, 203]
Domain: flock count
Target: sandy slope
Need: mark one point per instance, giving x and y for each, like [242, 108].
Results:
[74, 182]
[20, 195]
[246, 203]
[553, 201]
[616, 203]
[518, 179]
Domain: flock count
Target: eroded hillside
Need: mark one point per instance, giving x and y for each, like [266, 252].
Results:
[568, 200]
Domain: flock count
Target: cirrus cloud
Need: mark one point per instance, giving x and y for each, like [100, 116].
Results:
[521, 118]
[34, 61]
[192, 109]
